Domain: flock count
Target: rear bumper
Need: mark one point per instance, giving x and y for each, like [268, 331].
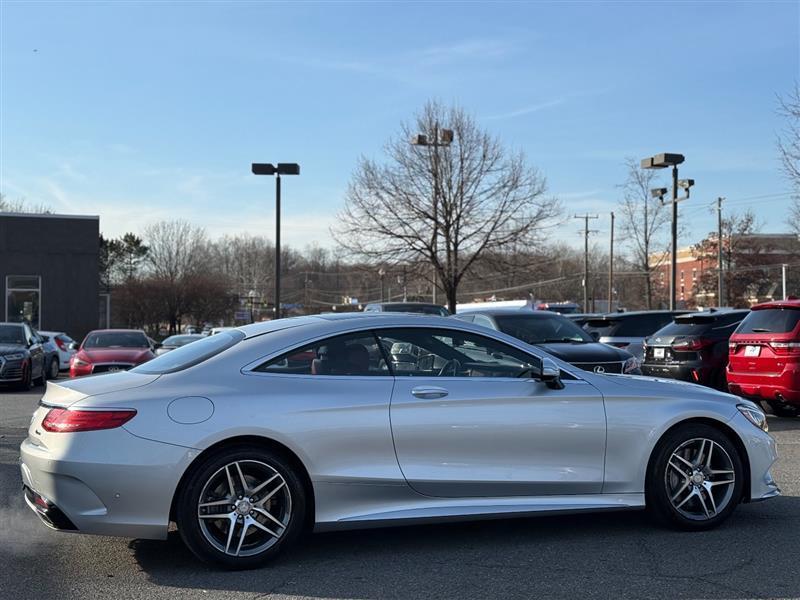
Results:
[761, 386]
[693, 372]
[103, 482]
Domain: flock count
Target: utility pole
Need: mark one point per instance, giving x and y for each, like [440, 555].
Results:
[586, 233]
[783, 279]
[611, 265]
[720, 278]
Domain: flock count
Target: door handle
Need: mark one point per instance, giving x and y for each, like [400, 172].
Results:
[429, 393]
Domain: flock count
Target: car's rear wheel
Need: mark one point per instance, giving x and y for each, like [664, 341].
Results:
[782, 409]
[696, 478]
[241, 507]
[54, 369]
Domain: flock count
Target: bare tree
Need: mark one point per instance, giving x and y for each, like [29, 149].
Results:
[642, 217]
[178, 256]
[21, 206]
[789, 149]
[444, 205]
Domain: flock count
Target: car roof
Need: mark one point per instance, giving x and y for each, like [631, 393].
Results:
[511, 311]
[635, 313]
[713, 313]
[118, 331]
[777, 304]
[11, 323]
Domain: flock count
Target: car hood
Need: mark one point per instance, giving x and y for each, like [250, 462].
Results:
[645, 387]
[11, 348]
[68, 392]
[588, 352]
[99, 355]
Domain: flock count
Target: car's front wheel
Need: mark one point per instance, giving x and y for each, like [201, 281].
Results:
[240, 507]
[54, 369]
[695, 479]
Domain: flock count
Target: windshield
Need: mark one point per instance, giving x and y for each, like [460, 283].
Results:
[11, 334]
[770, 320]
[542, 328]
[191, 354]
[116, 339]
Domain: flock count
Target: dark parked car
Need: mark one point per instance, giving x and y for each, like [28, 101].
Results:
[22, 357]
[556, 335]
[423, 308]
[627, 330]
[694, 347]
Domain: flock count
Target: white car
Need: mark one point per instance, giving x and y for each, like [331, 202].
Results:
[62, 342]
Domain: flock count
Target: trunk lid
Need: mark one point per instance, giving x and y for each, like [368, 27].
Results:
[68, 392]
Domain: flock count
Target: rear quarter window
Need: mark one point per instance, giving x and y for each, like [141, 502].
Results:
[770, 320]
[191, 354]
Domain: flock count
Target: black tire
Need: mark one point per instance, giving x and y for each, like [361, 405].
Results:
[188, 499]
[27, 381]
[781, 409]
[657, 491]
[53, 369]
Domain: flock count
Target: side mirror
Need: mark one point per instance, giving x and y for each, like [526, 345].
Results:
[551, 374]
[74, 346]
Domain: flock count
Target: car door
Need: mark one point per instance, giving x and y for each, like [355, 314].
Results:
[469, 420]
[36, 350]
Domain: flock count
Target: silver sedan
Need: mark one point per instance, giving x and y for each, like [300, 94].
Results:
[246, 438]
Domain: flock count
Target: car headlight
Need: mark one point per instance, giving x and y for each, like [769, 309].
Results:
[630, 365]
[77, 362]
[15, 356]
[754, 415]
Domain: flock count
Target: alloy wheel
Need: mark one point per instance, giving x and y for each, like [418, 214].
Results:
[700, 479]
[244, 508]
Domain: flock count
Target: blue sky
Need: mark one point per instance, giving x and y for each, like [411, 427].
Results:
[144, 111]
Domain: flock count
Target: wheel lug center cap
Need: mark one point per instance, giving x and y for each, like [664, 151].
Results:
[243, 507]
[698, 477]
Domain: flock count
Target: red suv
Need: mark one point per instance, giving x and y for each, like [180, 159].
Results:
[764, 356]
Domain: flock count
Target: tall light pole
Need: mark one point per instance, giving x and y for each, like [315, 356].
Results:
[611, 264]
[280, 169]
[586, 232]
[441, 137]
[662, 161]
[720, 278]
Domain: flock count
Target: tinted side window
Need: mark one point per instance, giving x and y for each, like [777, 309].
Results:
[641, 325]
[356, 354]
[448, 353]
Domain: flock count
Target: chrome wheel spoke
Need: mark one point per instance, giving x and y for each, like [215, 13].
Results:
[263, 500]
[680, 490]
[264, 484]
[691, 495]
[678, 468]
[245, 527]
[726, 482]
[720, 472]
[216, 503]
[231, 528]
[230, 480]
[269, 515]
[683, 460]
[703, 502]
[242, 480]
[707, 488]
[263, 527]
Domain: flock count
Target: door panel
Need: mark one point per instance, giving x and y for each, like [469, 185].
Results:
[468, 419]
[499, 437]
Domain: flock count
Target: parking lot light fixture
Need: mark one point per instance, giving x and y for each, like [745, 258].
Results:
[280, 169]
[663, 161]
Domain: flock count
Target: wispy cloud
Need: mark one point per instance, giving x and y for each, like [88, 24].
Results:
[526, 110]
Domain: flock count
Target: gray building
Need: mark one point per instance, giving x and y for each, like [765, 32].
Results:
[49, 271]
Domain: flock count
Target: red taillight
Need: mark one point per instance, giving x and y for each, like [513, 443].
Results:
[60, 343]
[692, 344]
[785, 347]
[62, 420]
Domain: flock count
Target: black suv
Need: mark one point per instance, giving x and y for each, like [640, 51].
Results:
[693, 348]
[627, 330]
[22, 356]
[556, 335]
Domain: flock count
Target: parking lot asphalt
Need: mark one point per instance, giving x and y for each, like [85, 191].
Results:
[755, 554]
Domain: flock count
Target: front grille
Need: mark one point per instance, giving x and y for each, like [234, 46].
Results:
[113, 367]
[10, 369]
[603, 367]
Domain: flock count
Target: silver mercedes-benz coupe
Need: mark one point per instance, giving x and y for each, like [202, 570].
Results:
[246, 438]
